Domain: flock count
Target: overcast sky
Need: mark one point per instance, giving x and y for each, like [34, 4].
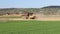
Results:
[27, 3]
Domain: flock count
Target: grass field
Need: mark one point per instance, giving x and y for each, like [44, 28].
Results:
[30, 27]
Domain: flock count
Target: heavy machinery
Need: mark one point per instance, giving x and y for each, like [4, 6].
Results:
[29, 15]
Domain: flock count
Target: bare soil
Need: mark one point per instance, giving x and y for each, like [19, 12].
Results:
[38, 17]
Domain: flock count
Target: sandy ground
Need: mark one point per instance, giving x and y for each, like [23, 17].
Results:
[38, 17]
[41, 19]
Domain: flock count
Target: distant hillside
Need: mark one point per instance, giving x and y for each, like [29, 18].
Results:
[52, 7]
[48, 10]
[18, 10]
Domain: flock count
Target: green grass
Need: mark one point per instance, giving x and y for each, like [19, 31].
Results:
[30, 27]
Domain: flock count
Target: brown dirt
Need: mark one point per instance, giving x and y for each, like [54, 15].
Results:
[38, 17]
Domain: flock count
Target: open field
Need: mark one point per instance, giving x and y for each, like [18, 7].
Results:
[30, 27]
[38, 17]
[10, 16]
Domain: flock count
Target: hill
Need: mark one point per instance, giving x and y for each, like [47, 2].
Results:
[48, 10]
[52, 7]
[51, 10]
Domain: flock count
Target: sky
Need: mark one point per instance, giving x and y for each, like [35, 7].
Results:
[28, 3]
